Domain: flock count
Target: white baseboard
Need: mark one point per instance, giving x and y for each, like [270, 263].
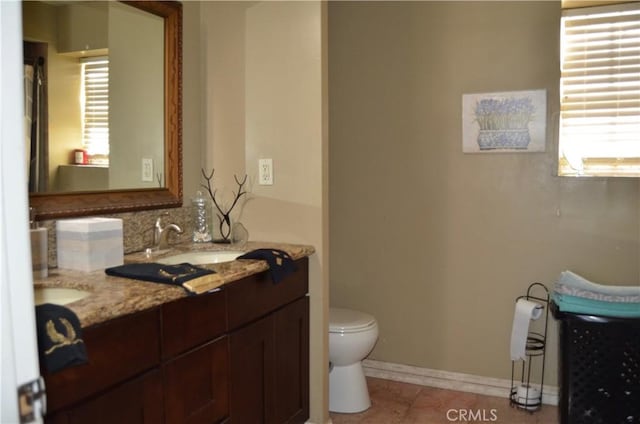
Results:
[448, 380]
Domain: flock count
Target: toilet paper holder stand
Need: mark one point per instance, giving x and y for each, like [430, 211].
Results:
[524, 394]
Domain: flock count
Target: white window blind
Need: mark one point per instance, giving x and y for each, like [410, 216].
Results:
[95, 107]
[600, 91]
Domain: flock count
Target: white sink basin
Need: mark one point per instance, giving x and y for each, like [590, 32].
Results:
[58, 295]
[196, 258]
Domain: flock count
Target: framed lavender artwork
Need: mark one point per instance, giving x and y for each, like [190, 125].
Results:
[511, 121]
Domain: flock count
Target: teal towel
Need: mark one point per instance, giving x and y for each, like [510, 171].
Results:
[584, 306]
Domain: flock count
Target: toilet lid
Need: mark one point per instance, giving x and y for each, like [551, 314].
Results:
[348, 320]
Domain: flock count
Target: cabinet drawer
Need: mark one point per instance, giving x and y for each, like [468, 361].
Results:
[117, 350]
[256, 295]
[191, 321]
[138, 401]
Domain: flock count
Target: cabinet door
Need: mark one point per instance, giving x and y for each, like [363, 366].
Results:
[292, 362]
[138, 401]
[196, 385]
[251, 393]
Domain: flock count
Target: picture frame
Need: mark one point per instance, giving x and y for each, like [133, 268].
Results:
[509, 121]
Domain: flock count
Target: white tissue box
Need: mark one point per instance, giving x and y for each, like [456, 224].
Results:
[89, 244]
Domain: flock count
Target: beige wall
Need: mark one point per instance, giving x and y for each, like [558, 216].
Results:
[264, 66]
[192, 99]
[434, 243]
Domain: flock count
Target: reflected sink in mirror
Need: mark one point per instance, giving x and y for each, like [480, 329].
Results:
[58, 295]
[198, 258]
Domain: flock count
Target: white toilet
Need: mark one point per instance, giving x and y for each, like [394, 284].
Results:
[352, 335]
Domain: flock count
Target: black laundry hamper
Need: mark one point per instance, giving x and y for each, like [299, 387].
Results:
[599, 368]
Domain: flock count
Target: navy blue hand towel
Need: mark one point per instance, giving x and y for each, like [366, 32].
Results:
[279, 261]
[194, 279]
[60, 343]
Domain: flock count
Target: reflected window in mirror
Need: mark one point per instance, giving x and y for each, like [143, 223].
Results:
[95, 112]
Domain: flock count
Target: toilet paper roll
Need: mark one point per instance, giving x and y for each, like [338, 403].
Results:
[526, 310]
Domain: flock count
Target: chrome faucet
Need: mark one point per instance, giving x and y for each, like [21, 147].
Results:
[160, 233]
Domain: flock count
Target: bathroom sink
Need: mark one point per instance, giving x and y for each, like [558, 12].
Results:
[196, 258]
[58, 295]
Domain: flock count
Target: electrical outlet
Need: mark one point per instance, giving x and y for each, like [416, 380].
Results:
[147, 169]
[265, 171]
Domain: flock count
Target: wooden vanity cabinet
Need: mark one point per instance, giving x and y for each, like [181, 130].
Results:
[240, 354]
[269, 348]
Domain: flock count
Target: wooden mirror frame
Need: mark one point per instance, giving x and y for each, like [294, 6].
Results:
[59, 205]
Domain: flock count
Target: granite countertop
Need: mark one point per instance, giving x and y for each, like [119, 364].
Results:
[112, 297]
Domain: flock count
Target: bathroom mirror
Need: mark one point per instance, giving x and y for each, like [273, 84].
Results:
[165, 188]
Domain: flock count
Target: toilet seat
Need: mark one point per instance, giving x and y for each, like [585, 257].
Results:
[349, 321]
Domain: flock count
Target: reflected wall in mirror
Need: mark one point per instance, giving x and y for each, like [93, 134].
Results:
[112, 152]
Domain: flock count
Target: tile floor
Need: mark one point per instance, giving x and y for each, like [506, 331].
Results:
[402, 403]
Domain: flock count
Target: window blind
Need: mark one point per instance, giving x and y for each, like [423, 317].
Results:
[600, 91]
[95, 108]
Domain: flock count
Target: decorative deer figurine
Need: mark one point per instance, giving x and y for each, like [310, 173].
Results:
[224, 219]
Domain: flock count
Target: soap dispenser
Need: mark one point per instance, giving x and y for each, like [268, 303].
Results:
[39, 251]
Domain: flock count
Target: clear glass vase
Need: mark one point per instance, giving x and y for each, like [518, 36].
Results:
[201, 218]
